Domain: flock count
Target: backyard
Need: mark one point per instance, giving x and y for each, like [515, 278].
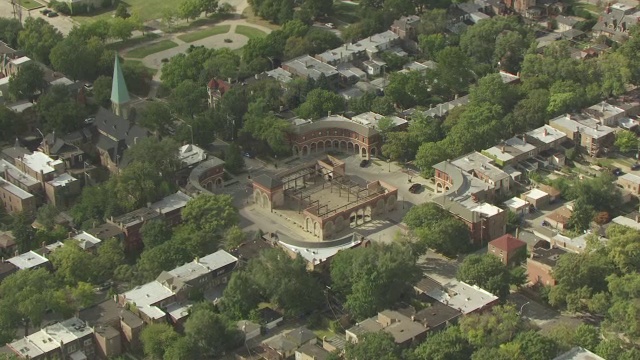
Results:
[153, 48]
[199, 35]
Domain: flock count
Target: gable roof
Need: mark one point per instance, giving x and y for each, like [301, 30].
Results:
[119, 92]
[508, 243]
[267, 181]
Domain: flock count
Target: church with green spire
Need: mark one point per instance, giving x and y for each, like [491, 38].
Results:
[119, 94]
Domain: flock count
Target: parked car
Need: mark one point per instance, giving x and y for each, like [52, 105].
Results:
[52, 14]
[88, 87]
[248, 155]
[45, 11]
[89, 120]
[617, 172]
[415, 188]
[330, 25]
[364, 163]
[635, 166]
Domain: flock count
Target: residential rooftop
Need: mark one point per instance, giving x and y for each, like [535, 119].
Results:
[14, 189]
[41, 162]
[146, 296]
[457, 294]
[535, 194]
[585, 125]
[547, 256]
[317, 255]
[28, 260]
[372, 119]
[578, 243]
[578, 353]
[171, 202]
[86, 240]
[308, 66]
[627, 221]
[105, 231]
[546, 134]
[62, 180]
[135, 217]
[475, 163]
[203, 265]
[191, 154]
[631, 178]
[51, 338]
[15, 173]
[508, 243]
[515, 203]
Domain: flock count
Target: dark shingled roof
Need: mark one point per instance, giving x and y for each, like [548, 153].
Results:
[267, 181]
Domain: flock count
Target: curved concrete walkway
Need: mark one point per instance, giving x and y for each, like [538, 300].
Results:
[154, 61]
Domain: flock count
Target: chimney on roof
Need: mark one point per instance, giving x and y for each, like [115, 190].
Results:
[524, 139]
[197, 260]
[518, 232]
[545, 132]
[329, 113]
[597, 125]
[502, 148]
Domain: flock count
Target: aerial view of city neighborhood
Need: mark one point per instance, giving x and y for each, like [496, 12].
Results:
[320, 179]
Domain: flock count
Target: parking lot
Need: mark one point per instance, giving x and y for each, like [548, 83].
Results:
[63, 23]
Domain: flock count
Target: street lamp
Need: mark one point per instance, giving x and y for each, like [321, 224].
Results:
[522, 307]
[191, 128]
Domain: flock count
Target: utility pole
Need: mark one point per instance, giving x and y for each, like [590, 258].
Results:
[17, 10]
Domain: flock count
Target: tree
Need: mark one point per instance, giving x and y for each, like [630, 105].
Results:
[27, 82]
[233, 237]
[190, 9]
[121, 28]
[161, 155]
[435, 228]
[627, 141]
[616, 73]
[536, 347]
[102, 90]
[156, 117]
[265, 126]
[23, 232]
[73, 264]
[452, 72]
[11, 123]
[581, 216]
[240, 296]
[188, 98]
[121, 11]
[376, 345]
[59, 111]
[161, 258]
[9, 31]
[433, 22]
[385, 125]
[46, 216]
[319, 103]
[373, 278]
[318, 8]
[486, 271]
[155, 233]
[110, 256]
[493, 328]
[156, 339]
[233, 159]
[212, 333]
[141, 183]
[182, 348]
[431, 45]
[38, 38]
[449, 344]
[77, 57]
[210, 213]
[208, 6]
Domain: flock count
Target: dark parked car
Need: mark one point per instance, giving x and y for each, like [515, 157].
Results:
[415, 188]
[617, 172]
[45, 11]
[364, 163]
[635, 166]
[52, 14]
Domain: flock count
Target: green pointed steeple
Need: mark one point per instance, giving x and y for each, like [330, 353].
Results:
[119, 92]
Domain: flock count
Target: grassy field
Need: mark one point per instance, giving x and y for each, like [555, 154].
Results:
[199, 35]
[30, 4]
[250, 32]
[146, 9]
[144, 51]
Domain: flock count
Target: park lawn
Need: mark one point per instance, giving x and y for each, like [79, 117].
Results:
[250, 32]
[31, 4]
[252, 18]
[145, 51]
[119, 45]
[199, 35]
[145, 9]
